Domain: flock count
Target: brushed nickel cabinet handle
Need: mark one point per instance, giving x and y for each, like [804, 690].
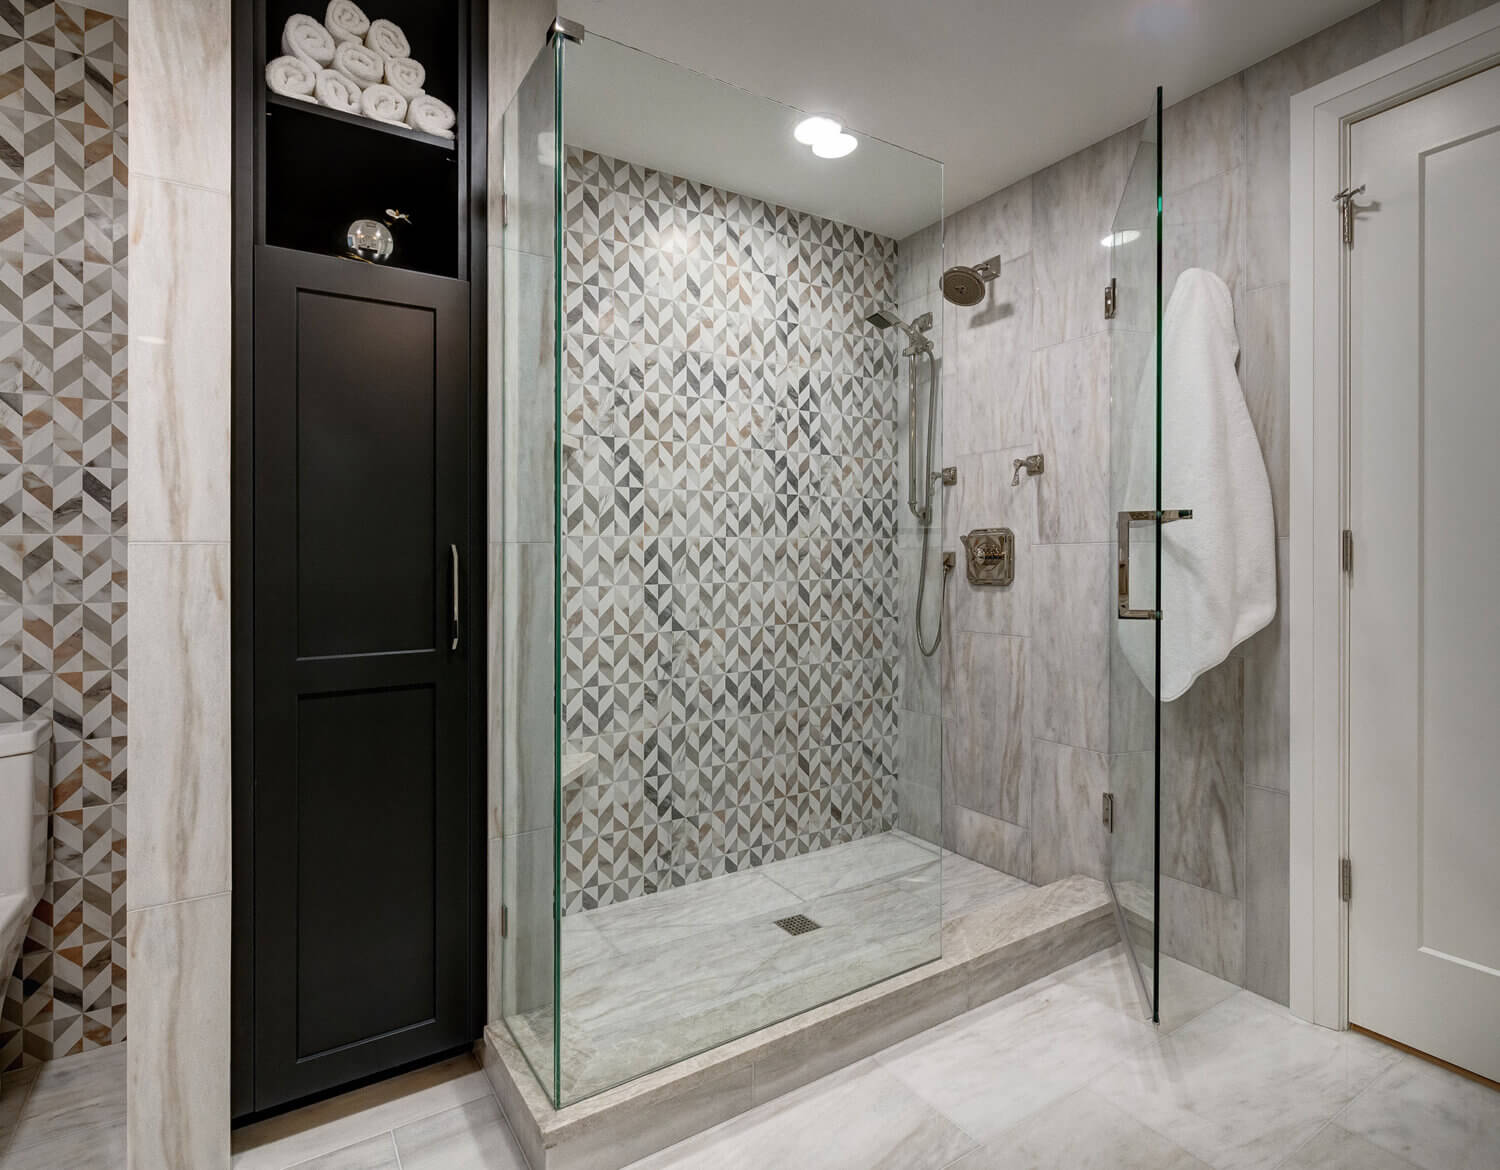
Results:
[454, 629]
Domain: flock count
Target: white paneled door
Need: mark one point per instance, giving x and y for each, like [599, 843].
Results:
[1424, 609]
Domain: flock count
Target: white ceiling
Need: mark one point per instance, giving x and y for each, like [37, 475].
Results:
[993, 89]
[633, 106]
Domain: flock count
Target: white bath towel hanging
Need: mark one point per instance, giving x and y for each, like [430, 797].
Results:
[359, 64]
[346, 21]
[291, 77]
[307, 39]
[1218, 582]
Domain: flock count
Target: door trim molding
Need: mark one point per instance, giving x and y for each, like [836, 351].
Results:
[1320, 122]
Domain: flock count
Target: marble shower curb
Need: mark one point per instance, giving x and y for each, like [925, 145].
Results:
[986, 954]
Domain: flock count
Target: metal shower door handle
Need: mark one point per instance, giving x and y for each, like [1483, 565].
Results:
[1126, 520]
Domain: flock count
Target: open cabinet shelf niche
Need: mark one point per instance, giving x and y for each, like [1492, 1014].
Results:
[322, 169]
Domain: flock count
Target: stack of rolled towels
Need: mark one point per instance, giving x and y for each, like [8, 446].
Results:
[351, 63]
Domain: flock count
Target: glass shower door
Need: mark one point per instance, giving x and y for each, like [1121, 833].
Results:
[1132, 809]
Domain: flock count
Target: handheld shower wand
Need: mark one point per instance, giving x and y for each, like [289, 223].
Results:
[921, 477]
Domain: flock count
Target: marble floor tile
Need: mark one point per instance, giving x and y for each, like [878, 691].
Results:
[74, 1115]
[1245, 1084]
[352, 1118]
[1080, 1132]
[1110, 978]
[1431, 1117]
[996, 1066]
[376, 1153]
[471, 1137]
[859, 1119]
[1335, 1148]
[15, 1088]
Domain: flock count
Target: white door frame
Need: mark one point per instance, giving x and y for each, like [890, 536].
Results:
[1321, 117]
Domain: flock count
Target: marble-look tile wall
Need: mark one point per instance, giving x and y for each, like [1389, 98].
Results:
[63, 244]
[178, 924]
[730, 511]
[1029, 371]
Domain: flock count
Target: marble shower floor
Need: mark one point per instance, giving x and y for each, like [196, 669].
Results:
[653, 980]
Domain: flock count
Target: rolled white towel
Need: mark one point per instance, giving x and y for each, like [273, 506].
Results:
[384, 104]
[307, 39]
[291, 77]
[346, 21]
[387, 39]
[337, 92]
[358, 64]
[405, 76]
[431, 116]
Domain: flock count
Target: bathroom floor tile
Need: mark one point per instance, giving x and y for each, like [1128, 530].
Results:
[354, 1118]
[1080, 1132]
[376, 1153]
[861, 1118]
[1335, 1148]
[1110, 978]
[471, 1137]
[1433, 1118]
[1245, 1084]
[994, 1067]
[75, 1113]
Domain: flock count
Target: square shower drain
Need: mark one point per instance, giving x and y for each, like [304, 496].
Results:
[797, 924]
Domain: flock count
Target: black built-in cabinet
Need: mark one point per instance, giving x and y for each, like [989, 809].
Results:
[358, 596]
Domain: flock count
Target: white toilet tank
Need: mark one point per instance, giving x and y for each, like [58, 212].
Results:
[25, 783]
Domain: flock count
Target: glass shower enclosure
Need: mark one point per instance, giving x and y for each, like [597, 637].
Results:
[709, 816]
[1133, 813]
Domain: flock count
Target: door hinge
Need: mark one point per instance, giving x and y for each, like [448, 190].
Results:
[1109, 812]
[1348, 209]
[1111, 299]
[1346, 552]
[1346, 880]
[504, 211]
[504, 921]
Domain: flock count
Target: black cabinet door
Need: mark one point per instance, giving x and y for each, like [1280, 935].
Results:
[361, 825]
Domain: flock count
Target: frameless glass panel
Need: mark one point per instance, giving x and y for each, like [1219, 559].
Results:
[750, 800]
[1135, 247]
[524, 488]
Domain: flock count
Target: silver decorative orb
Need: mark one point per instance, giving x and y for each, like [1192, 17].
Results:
[370, 240]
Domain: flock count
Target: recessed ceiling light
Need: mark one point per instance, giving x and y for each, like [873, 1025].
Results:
[1115, 239]
[812, 130]
[835, 145]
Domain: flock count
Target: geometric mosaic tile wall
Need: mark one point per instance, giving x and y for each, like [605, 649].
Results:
[63, 500]
[730, 504]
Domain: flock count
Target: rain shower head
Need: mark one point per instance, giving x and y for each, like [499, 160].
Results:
[965, 286]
